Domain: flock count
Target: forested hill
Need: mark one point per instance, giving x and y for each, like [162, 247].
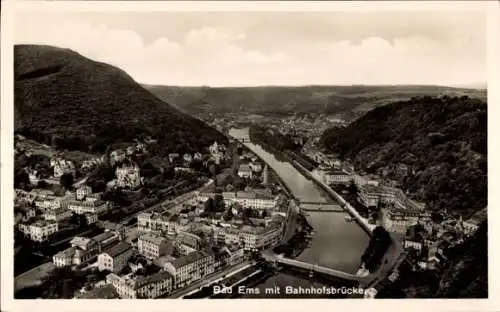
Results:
[466, 275]
[67, 100]
[443, 142]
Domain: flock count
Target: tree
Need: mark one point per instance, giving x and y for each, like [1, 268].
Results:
[42, 184]
[229, 214]
[219, 203]
[21, 179]
[353, 188]
[67, 180]
[209, 206]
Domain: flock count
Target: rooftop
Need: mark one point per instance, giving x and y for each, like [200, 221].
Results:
[189, 239]
[336, 172]
[187, 259]
[156, 277]
[87, 203]
[79, 241]
[42, 223]
[155, 239]
[245, 167]
[69, 252]
[104, 236]
[118, 249]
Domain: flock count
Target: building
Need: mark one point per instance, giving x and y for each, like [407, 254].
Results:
[49, 202]
[266, 175]
[39, 231]
[82, 192]
[250, 237]
[260, 237]
[172, 157]
[115, 229]
[191, 267]
[471, 225]
[236, 254]
[154, 246]
[335, 176]
[93, 197]
[360, 180]
[82, 251]
[187, 158]
[84, 207]
[246, 199]
[92, 163]
[183, 169]
[21, 196]
[24, 214]
[117, 156]
[187, 242]
[214, 148]
[154, 222]
[197, 156]
[371, 195]
[128, 175]
[414, 237]
[256, 166]
[33, 176]
[91, 218]
[245, 171]
[142, 287]
[62, 166]
[57, 215]
[398, 220]
[115, 259]
[106, 240]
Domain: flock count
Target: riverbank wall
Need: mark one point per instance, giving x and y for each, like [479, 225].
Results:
[363, 222]
[368, 228]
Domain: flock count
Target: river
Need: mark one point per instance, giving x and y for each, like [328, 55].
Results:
[335, 243]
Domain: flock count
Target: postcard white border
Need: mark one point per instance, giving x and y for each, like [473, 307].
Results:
[6, 124]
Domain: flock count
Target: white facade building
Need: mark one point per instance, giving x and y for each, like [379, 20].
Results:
[82, 192]
[39, 231]
[128, 176]
[84, 207]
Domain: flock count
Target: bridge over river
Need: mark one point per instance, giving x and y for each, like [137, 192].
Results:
[271, 257]
[320, 207]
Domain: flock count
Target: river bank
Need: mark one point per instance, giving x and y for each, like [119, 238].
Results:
[335, 243]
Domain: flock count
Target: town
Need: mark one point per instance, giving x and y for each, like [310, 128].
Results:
[212, 231]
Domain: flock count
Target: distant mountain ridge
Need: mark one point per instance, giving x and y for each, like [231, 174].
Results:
[318, 99]
[67, 100]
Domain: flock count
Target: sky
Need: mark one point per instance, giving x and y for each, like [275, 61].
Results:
[272, 48]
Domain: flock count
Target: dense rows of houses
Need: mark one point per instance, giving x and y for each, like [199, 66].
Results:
[55, 210]
[154, 222]
[250, 237]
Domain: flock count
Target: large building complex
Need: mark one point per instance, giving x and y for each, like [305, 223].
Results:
[246, 199]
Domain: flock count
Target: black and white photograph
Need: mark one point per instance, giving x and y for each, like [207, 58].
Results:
[246, 154]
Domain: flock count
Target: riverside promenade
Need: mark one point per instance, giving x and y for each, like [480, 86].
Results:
[363, 222]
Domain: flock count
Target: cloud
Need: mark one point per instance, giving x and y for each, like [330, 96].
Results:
[220, 55]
